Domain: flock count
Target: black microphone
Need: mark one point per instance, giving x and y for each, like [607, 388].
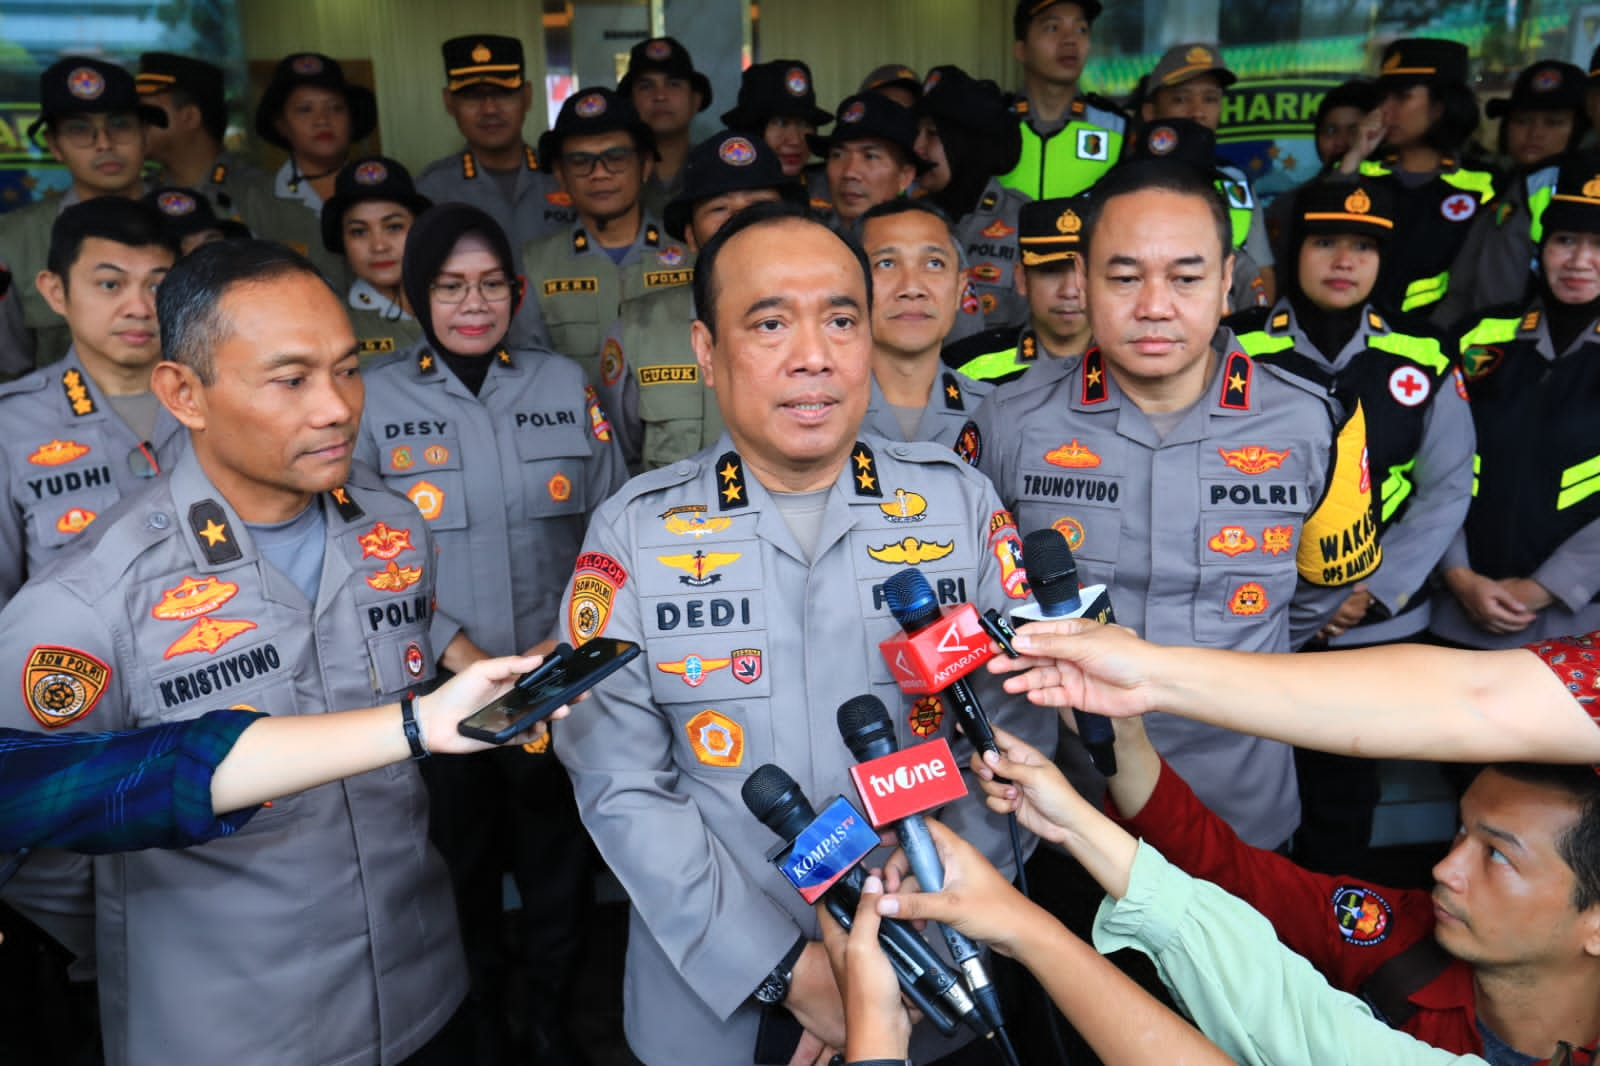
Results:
[1053, 577]
[868, 732]
[774, 798]
[914, 606]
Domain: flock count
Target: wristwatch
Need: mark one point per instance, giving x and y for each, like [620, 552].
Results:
[774, 988]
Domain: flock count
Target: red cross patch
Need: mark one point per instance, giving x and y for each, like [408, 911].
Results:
[1460, 207]
[1409, 386]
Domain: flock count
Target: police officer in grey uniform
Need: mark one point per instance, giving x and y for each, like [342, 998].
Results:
[649, 382]
[1050, 279]
[753, 574]
[379, 310]
[505, 452]
[917, 280]
[582, 276]
[193, 95]
[488, 94]
[970, 133]
[1200, 487]
[306, 584]
[84, 103]
[83, 433]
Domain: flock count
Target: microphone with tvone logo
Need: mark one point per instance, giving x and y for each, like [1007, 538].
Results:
[820, 855]
[938, 650]
[1053, 577]
[896, 788]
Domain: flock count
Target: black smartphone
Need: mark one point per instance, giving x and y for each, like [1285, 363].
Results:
[559, 679]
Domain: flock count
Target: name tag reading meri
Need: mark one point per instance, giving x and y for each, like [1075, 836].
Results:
[825, 850]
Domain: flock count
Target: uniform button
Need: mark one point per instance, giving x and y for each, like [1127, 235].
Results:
[158, 521]
[899, 451]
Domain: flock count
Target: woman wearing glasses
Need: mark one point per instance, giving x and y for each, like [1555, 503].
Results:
[505, 452]
[366, 220]
[310, 111]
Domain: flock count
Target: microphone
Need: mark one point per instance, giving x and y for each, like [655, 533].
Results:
[917, 784]
[1053, 576]
[938, 651]
[777, 801]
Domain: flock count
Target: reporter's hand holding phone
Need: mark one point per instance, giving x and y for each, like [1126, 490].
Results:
[440, 711]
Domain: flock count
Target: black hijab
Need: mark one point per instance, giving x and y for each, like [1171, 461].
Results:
[434, 235]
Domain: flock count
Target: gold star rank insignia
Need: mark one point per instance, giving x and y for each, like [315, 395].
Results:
[348, 509]
[1094, 377]
[210, 525]
[730, 471]
[952, 393]
[425, 363]
[866, 471]
[1236, 382]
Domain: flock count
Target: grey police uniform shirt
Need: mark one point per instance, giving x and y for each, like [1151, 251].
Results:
[1195, 535]
[650, 382]
[538, 209]
[68, 458]
[1442, 491]
[38, 333]
[1499, 260]
[579, 291]
[324, 931]
[382, 326]
[290, 212]
[506, 480]
[749, 650]
[953, 398]
[988, 236]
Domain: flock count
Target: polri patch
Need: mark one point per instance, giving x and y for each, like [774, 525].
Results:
[61, 685]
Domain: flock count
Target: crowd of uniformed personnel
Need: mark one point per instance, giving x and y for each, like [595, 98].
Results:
[1358, 416]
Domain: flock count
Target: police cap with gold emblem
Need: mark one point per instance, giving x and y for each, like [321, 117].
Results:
[779, 88]
[1412, 60]
[726, 162]
[1337, 207]
[1575, 207]
[485, 59]
[1049, 231]
[892, 76]
[81, 85]
[1028, 10]
[1182, 62]
[161, 72]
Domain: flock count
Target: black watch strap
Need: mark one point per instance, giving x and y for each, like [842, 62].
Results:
[774, 988]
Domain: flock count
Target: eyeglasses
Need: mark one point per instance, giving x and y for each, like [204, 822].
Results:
[493, 290]
[84, 132]
[583, 163]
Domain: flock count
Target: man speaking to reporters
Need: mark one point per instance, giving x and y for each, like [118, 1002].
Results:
[753, 574]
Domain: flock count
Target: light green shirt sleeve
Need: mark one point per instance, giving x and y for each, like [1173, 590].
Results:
[1258, 1001]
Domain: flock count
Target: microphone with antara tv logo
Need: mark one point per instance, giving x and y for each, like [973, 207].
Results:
[938, 650]
[821, 856]
[1053, 577]
[896, 788]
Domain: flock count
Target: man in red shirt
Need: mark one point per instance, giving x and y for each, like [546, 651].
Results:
[1502, 959]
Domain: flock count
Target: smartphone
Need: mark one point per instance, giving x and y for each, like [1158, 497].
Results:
[537, 694]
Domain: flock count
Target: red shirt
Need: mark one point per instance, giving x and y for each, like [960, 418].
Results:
[1576, 661]
[1346, 927]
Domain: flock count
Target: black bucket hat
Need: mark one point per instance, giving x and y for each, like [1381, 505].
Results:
[666, 55]
[871, 115]
[318, 72]
[728, 161]
[1179, 138]
[81, 85]
[951, 95]
[778, 88]
[185, 212]
[595, 110]
[1549, 85]
[373, 177]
